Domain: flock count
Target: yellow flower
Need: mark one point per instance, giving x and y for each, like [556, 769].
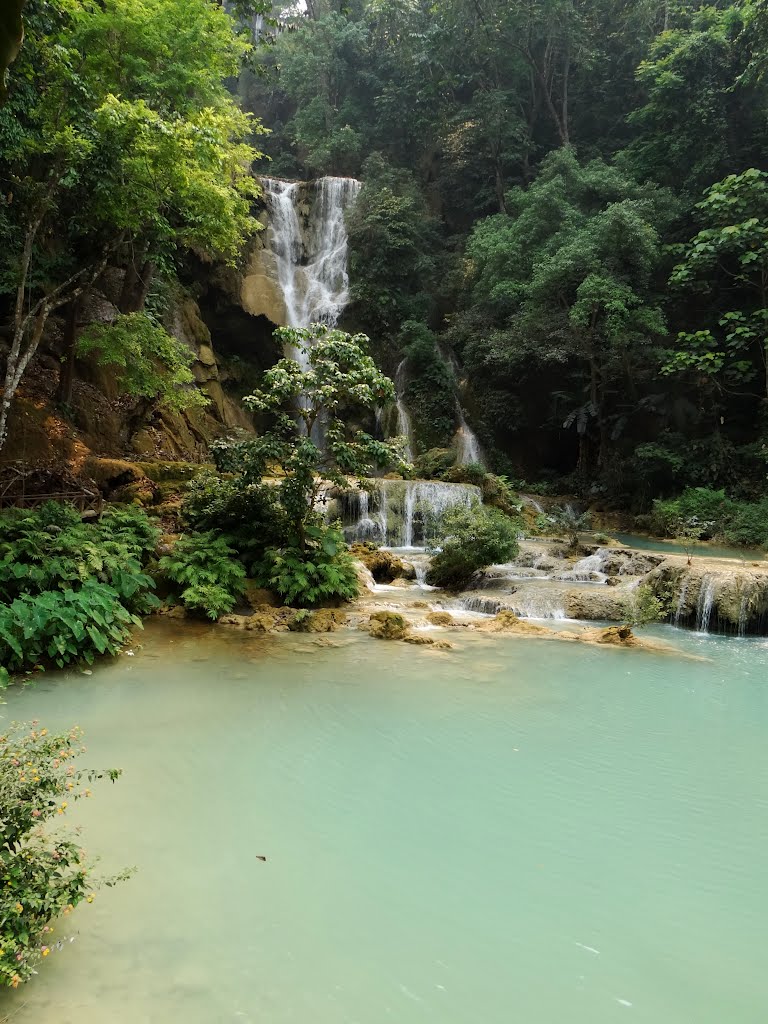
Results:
[45, 951]
[18, 908]
[15, 981]
[90, 898]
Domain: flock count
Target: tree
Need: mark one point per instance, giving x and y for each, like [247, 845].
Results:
[567, 278]
[391, 238]
[703, 115]
[148, 363]
[310, 398]
[112, 153]
[728, 260]
[475, 538]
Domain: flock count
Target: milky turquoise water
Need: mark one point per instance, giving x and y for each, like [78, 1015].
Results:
[514, 831]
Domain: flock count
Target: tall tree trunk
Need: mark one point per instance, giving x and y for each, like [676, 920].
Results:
[136, 283]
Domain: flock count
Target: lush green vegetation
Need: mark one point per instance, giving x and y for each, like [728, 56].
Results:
[278, 529]
[120, 147]
[71, 590]
[571, 200]
[475, 538]
[207, 576]
[701, 513]
[43, 874]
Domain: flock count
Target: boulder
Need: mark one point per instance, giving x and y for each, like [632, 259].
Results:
[609, 604]
[440, 619]
[385, 566]
[388, 626]
[324, 620]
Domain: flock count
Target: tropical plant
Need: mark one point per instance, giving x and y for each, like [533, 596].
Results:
[475, 538]
[44, 874]
[643, 607]
[320, 572]
[118, 148]
[62, 626]
[147, 362]
[570, 521]
[208, 577]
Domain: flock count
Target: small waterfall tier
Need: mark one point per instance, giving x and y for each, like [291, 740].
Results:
[712, 598]
[308, 245]
[401, 513]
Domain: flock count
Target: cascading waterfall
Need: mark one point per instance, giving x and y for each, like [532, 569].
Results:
[403, 513]
[311, 254]
[404, 425]
[467, 445]
[705, 604]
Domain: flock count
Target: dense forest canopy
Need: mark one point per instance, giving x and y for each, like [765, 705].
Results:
[571, 196]
[563, 218]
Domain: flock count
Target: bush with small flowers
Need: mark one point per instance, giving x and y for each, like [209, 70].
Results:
[44, 873]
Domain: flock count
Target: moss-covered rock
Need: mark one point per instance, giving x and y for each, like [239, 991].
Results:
[441, 619]
[324, 620]
[388, 626]
[383, 565]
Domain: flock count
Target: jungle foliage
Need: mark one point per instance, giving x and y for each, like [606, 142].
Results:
[71, 590]
[571, 197]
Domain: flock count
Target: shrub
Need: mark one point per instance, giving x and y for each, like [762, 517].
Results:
[50, 548]
[208, 577]
[42, 875]
[433, 464]
[644, 607]
[244, 510]
[61, 626]
[471, 473]
[749, 525]
[322, 572]
[476, 537]
[709, 508]
[572, 523]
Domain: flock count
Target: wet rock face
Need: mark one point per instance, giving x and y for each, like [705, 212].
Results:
[384, 566]
[610, 605]
[710, 594]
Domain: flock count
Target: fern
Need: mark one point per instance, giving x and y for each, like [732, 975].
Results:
[208, 577]
[324, 572]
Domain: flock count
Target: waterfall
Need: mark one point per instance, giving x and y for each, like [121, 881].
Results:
[404, 426]
[467, 443]
[310, 251]
[743, 615]
[403, 513]
[705, 603]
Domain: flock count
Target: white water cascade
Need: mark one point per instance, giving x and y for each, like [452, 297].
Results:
[404, 425]
[704, 604]
[403, 513]
[311, 249]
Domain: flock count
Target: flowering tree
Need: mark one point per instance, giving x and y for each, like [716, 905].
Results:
[43, 873]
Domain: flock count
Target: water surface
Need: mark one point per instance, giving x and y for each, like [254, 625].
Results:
[512, 831]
